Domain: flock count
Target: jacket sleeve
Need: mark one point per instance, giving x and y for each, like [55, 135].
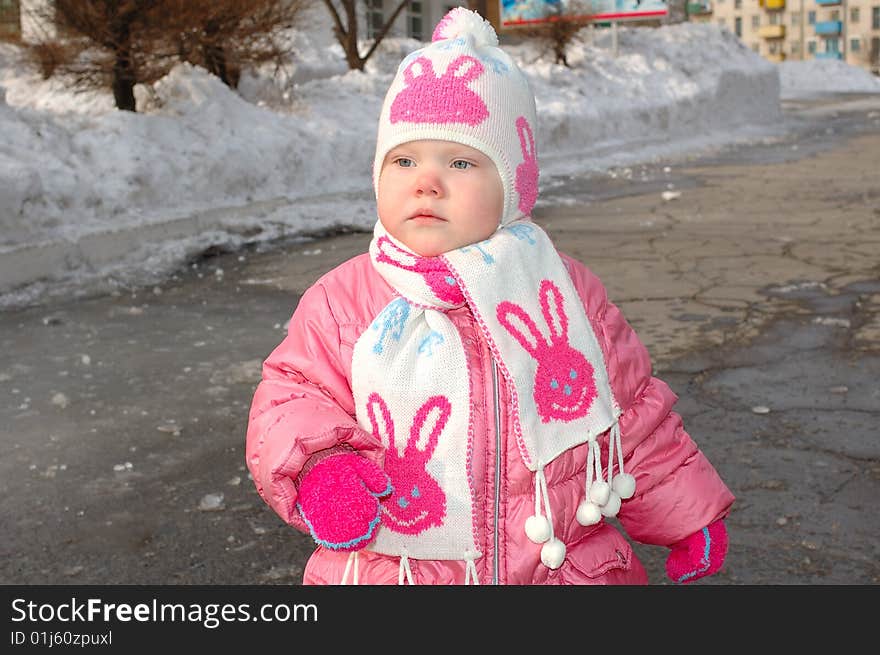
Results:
[678, 491]
[303, 407]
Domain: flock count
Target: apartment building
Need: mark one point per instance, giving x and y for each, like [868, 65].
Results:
[848, 30]
[779, 30]
[418, 20]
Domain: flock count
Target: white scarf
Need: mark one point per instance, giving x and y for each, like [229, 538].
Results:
[412, 388]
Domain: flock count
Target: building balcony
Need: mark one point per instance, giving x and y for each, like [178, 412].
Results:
[772, 32]
[827, 3]
[776, 58]
[699, 8]
[772, 5]
[829, 27]
[829, 55]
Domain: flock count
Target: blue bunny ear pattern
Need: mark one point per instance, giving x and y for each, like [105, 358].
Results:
[524, 232]
[426, 346]
[390, 323]
[480, 248]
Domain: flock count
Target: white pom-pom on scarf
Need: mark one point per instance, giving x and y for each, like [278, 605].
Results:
[461, 22]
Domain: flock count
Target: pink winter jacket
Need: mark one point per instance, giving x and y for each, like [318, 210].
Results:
[303, 406]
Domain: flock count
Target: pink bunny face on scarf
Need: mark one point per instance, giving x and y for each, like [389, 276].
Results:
[417, 502]
[564, 386]
[436, 274]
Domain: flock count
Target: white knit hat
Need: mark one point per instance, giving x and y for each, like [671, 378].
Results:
[464, 88]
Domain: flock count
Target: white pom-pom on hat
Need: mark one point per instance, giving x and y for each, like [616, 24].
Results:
[462, 22]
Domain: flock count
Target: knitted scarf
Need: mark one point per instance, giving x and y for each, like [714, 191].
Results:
[412, 389]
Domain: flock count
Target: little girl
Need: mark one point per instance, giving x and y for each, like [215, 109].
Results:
[462, 404]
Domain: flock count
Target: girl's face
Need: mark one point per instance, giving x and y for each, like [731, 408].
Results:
[436, 196]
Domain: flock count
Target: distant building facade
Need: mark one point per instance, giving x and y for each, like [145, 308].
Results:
[418, 20]
[797, 30]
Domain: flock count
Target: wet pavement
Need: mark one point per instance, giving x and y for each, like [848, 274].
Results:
[752, 276]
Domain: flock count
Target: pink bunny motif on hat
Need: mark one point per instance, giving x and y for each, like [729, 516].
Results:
[417, 502]
[427, 98]
[435, 273]
[527, 171]
[564, 386]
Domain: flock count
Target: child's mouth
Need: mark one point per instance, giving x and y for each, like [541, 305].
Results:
[425, 216]
[421, 219]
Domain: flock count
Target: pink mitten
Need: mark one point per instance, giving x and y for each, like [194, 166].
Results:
[339, 500]
[698, 555]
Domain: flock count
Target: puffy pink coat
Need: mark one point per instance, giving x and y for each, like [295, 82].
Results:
[304, 406]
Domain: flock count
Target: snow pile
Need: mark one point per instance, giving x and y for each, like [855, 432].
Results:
[802, 79]
[86, 190]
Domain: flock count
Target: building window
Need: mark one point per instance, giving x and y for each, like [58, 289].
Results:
[854, 15]
[737, 4]
[773, 47]
[795, 47]
[855, 45]
[811, 47]
[414, 21]
[795, 18]
[875, 50]
[811, 17]
[835, 15]
[832, 45]
[774, 19]
[738, 25]
[721, 22]
[756, 20]
[875, 18]
[375, 17]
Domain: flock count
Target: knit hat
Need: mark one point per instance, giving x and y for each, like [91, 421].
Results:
[463, 88]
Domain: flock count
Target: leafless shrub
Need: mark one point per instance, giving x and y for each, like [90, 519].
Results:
[346, 30]
[117, 44]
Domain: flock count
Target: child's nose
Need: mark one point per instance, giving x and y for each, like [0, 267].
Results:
[429, 184]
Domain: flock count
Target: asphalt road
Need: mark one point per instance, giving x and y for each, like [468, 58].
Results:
[756, 290]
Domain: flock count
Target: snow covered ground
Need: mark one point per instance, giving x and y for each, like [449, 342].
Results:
[89, 193]
[803, 79]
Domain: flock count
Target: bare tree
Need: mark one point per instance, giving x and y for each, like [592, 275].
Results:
[478, 6]
[118, 27]
[120, 43]
[346, 31]
[560, 29]
[226, 36]
[98, 43]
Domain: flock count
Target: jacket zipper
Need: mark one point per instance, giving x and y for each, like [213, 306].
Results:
[497, 408]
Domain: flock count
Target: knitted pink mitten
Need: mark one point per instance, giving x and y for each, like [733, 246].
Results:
[339, 500]
[698, 555]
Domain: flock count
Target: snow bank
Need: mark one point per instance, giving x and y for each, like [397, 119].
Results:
[813, 77]
[88, 191]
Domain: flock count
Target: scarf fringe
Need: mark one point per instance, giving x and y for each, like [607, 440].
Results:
[352, 557]
[404, 570]
[602, 497]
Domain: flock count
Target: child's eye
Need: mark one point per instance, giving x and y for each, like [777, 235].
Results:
[404, 162]
[461, 164]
